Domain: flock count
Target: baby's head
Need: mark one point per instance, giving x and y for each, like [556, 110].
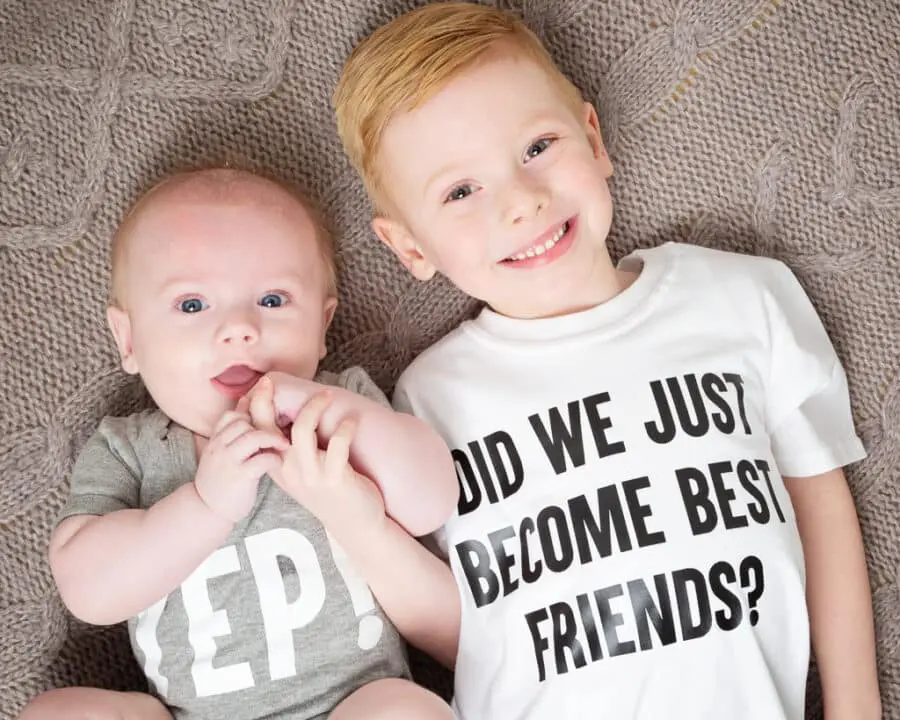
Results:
[482, 160]
[219, 276]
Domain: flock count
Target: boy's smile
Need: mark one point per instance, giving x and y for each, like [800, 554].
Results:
[551, 245]
[500, 185]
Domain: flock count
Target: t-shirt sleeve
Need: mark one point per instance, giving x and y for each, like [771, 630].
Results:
[807, 400]
[106, 474]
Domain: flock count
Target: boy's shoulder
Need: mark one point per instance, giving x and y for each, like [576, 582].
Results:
[702, 264]
[436, 356]
[708, 275]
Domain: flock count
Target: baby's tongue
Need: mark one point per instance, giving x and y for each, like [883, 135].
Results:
[238, 375]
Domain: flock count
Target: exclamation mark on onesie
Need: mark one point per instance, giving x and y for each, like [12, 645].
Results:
[370, 626]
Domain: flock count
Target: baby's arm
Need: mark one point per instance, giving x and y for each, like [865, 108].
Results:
[838, 595]
[405, 457]
[109, 568]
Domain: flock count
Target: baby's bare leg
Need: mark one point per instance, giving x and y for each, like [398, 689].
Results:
[392, 699]
[94, 704]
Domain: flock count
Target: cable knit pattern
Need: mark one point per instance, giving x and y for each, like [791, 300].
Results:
[761, 126]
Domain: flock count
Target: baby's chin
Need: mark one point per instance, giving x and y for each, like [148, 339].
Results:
[201, 422]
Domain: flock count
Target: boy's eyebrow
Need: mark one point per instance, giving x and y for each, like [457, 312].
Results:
[448, 169]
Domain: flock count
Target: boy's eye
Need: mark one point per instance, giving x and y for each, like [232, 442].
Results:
[459, 193]
[192, 305]
[272, 300]
[537, 147]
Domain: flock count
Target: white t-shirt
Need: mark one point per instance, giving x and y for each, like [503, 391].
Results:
[624, 544]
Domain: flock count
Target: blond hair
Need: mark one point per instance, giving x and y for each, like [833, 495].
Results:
[220, 184]
[406, 62]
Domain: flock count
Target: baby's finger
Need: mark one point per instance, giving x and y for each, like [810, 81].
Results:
[262, 405]
[265, 463]
[243, 405]
[338, 453]
[228, 417]
[237, 427]
[255, 441]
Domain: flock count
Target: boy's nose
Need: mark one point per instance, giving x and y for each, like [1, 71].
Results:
[526, 198]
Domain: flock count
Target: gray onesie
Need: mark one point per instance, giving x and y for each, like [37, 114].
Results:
[276, 623]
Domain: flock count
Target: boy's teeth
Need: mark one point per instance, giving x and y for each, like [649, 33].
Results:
[541, 249]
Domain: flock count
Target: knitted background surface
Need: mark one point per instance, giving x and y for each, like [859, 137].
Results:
[763, 126]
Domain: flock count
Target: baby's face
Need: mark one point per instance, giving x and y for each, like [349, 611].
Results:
[216, 294]
[498, 183]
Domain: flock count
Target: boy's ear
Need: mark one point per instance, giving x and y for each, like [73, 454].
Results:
[330, 307]
[120, 325]
[400, 240]
[595, 138]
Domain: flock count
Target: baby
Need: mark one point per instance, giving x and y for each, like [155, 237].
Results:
[654, 521]
[185, 520]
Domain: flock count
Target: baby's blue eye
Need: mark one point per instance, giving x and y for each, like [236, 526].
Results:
[272, 300]
[459, 193]
[536, 148]
[192, 305]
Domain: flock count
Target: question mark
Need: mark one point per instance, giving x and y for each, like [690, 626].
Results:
[751, 565]
[370, 626]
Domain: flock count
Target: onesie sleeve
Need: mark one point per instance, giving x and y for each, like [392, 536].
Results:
[807, 401]
[357, 380]
[106, 476]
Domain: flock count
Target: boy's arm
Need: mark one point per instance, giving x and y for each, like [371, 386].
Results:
[838, 595]
[403, 455]
[109, 568]
[415, 588]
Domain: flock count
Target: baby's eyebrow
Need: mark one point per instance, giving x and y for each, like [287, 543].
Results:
[180, 284]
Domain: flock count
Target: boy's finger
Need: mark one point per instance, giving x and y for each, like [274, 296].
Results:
[307, 421]
[338, 454]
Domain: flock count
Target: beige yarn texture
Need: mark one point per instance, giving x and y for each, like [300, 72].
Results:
[762, 126]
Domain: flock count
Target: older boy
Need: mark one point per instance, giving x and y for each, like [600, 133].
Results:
[641, 448]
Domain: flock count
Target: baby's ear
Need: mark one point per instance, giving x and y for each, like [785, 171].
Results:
[328, 309]
[120, 325]
[396, 236]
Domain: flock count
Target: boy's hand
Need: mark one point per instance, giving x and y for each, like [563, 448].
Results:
[277, 398]
[233, 461]
[323, 481]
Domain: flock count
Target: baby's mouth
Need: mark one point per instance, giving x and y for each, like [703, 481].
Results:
[236, 381]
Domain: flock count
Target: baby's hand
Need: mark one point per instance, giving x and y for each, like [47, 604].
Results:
[233, 461]
[323, 481]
